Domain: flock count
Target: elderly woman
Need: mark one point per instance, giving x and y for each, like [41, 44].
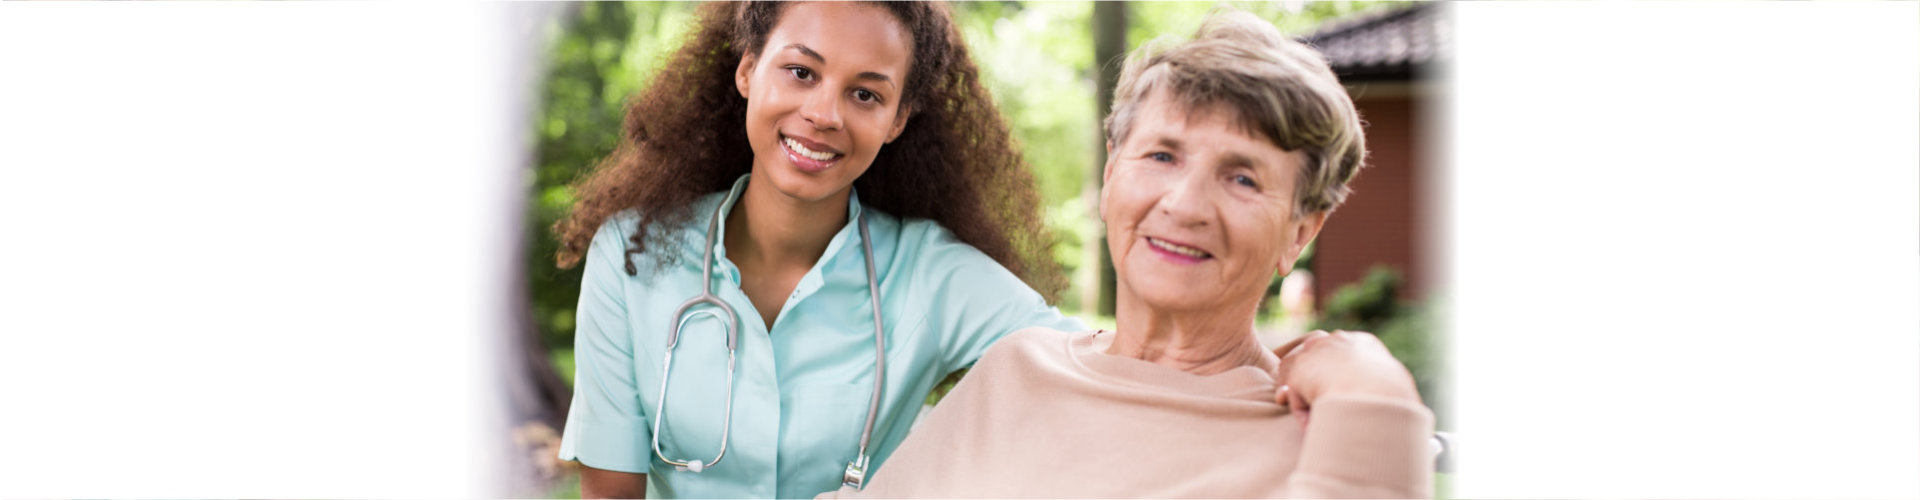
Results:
[1227, 153]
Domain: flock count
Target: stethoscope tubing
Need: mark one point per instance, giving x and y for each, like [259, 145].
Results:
[732, 321]
[856, 470]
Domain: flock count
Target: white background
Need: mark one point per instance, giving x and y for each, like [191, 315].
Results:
[264, 249]
[255, 250]
[1686, 250]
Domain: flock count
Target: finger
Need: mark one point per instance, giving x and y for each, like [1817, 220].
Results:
[1285, 351]
[1358, 340]
[1288, 347]
[1310, 340]
[1370, 339]
[1297, 401]
[1313, 339]
[1291, 351]
[1359, 336]
[1280, 375]
[1298, 406]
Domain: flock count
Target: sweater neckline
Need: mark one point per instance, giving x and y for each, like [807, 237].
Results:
[1242, 382]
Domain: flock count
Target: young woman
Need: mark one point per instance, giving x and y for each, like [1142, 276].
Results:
[816, 215]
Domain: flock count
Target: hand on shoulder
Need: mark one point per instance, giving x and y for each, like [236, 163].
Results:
[1341, 363]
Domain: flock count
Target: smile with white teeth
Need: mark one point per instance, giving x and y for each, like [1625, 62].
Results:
[797, 148]
[1178, 249]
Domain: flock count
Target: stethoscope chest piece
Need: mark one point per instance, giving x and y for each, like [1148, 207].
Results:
[856, 472]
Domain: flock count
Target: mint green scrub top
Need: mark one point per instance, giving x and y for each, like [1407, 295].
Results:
[801, 392]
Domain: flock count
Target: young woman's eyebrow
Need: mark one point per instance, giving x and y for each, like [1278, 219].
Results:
[864, 75]
[872, 76]
[807, 52]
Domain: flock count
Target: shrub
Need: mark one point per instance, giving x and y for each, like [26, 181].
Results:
[1408, 329]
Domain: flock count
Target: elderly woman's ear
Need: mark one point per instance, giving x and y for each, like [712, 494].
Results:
[1304, 228]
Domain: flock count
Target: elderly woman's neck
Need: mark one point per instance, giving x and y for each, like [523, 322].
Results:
[1201, 344]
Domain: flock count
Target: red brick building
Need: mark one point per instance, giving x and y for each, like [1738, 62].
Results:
[1387, 62]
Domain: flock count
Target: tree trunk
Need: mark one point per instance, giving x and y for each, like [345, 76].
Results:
[1109, 50]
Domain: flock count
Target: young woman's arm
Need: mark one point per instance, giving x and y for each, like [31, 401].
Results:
[606, 426]
[599, 483]
[975, 301]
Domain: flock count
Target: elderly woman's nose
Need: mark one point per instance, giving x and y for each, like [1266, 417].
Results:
[1186, 200]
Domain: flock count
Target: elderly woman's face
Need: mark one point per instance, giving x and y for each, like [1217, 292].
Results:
[1199, 212]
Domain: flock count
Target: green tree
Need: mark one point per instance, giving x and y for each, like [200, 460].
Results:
[1044, 79]
[602, 53]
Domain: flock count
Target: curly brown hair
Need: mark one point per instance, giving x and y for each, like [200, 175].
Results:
[955, 162]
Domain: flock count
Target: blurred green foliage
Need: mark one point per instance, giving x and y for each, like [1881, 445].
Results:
[1041, 77]
[1294, 18]
[598, 55]
[1036, 58]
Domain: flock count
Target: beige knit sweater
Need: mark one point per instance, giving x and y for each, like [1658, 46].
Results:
[1046, 414]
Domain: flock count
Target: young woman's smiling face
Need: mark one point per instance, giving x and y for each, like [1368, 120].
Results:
[823, 95]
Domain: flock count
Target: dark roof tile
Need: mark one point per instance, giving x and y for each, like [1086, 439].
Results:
[1389, 44]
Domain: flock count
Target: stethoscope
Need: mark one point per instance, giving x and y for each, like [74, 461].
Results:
[857, 469]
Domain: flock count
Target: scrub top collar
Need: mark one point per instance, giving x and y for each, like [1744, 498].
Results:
[847, 238]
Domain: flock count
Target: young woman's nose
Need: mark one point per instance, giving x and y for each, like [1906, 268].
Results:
[822, 109]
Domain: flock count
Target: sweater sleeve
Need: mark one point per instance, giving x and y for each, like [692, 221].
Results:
[1365, 447]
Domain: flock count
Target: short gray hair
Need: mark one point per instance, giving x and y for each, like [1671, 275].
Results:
[1274, 87]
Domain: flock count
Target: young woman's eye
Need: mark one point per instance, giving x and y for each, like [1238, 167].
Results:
[1245, 181]
[1161, 157]
[800, 72]
[866, 96]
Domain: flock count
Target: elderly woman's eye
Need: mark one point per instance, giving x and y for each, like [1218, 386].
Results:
[1245, 181]
[800, 72]
[1161, 157]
